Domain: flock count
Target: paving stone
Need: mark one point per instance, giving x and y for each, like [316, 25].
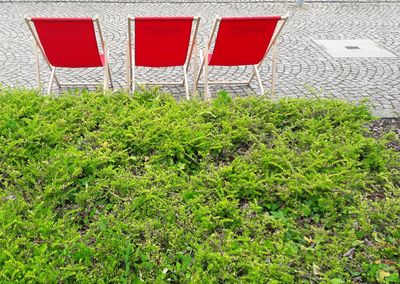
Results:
[200, 1]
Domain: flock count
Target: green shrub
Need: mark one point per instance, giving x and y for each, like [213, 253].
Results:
[112, 188]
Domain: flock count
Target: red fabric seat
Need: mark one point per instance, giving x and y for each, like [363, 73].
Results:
[242, 40]
[162, 41]
[69, 42]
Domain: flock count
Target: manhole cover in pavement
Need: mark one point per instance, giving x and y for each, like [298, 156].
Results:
[354, 48]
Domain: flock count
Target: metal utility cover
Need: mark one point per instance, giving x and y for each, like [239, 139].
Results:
[354, 48]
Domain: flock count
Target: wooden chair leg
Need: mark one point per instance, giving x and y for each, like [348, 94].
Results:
[259, 79]
[133, 78]
[39, 83]
[53, 72]
[110, 81]
[195, 68]
[185, 80]
[128, 68]
[273, 80]
[206, 89]
[197, 78]
[105, 80]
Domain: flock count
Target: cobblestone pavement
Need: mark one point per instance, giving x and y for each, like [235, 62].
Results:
[304, 68]
[204, 1]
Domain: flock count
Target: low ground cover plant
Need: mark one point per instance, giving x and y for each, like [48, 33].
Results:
[115, 188]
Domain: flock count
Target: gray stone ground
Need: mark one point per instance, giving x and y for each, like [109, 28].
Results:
[304, 68]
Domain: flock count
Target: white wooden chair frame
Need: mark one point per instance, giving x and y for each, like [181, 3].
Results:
[130, 60]
[107, 81]
[204, 67]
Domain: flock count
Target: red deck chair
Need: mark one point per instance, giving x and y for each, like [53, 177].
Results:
[161, 42]
[239, 42]
[69, 43]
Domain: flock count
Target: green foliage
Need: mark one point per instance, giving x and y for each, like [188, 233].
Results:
[112, 188]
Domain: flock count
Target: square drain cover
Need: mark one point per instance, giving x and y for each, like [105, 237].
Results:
[354, 48]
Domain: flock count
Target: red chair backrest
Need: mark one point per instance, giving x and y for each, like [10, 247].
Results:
[243, 41]
[162, 41]
[68, 42]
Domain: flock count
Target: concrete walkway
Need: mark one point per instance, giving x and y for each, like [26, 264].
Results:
[305, 68]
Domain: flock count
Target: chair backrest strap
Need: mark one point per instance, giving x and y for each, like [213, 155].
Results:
[243, 40]
[69, 42]
[162, 41]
